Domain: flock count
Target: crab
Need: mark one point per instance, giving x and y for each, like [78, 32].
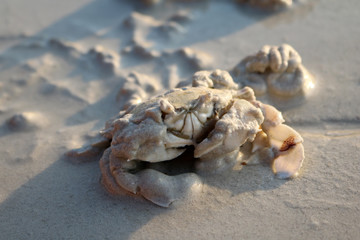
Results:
[208, 122]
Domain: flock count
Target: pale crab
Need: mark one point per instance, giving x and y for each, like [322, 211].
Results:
[214, 118]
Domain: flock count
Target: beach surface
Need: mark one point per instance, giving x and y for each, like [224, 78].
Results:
[63, 63]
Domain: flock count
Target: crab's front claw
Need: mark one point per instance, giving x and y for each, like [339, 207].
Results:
[238, 125]
[163, 190]
[289, 150]
[119, 174]
[288, 164]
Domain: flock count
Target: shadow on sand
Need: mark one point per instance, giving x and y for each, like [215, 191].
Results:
[62, 202]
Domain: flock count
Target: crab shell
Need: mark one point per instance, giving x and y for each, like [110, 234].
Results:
[159, 129]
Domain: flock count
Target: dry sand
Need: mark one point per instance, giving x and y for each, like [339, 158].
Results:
[62, 64]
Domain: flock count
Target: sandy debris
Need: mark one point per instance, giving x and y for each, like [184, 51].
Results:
[274, 69]
[107, 60]
[26, 121]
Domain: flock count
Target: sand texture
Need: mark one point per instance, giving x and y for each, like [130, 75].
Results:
[66, 67]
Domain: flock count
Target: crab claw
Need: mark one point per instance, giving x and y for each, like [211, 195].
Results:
[287, 165]
[153, 185]
[290, 151]
[239, 124]
[162, 189]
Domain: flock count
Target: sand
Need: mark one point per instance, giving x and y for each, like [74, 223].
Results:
[62, 64]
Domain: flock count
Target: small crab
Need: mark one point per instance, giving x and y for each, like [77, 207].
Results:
[214, 118]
